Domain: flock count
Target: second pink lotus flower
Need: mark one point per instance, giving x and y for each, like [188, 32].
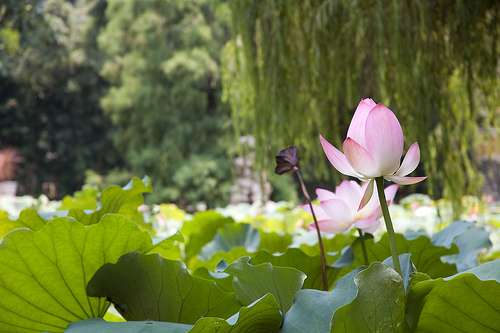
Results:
[340, 211]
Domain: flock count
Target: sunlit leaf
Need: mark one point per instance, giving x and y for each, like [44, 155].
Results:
[86, 199]
[466, 302]
[44, 273]
[28, 219]
[115, 199]
[169, 248]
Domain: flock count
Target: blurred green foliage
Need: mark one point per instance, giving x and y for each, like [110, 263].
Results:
[161, 59]
[50, 89]
[116, 87]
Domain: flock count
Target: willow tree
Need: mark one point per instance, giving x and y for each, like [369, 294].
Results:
[297, 68]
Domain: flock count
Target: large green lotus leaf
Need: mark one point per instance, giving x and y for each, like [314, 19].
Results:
[466, 302]
[312, 310]
[101, 326]
[230, 236]
[379, 305]
[117, 200]
[44, 273]
[169, 248]
[251, 282]
[28, 219]
[470, 240]
[149, 287]
[425, 256]
[201, 229]
[296, 258]
[262, 316]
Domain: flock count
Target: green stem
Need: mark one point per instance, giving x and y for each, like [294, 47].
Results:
[324, 277]
[363, 246]
[388, 224]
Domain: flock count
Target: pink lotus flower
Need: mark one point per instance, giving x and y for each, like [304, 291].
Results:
[339, 211]
[374, 146]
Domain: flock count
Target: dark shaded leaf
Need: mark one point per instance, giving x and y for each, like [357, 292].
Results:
[148, 287]
[251, 282]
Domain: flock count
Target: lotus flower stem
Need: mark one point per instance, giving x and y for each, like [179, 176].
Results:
[363, 246]
[388, 224]
[324, 277]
